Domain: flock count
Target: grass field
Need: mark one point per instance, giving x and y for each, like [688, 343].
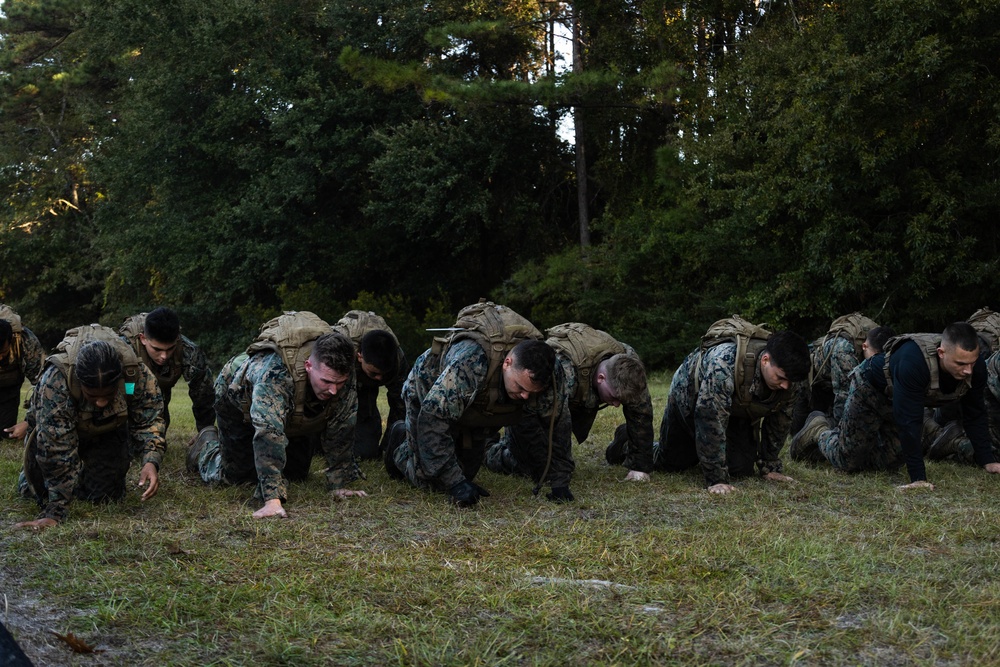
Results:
[831, 570]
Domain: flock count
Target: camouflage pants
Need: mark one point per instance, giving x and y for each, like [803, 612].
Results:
[959, 449]
[501, 460]
[104, 462]
[808, 399]
[470, 449]
[511, 455]
[866, 437]
[676, 450]
[540, 446]
[232, 459]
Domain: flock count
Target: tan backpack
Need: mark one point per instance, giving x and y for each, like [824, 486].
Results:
[65, 358]
[853, 327]
[7, 313]
[928, 344]
[987, 323]
[750, 339]
[497, 329]
[356, 323]
[291, 335]
[586, 347]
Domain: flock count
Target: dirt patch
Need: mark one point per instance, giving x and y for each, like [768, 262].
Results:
[32, 623]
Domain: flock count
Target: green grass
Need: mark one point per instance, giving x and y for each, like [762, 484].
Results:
[833, 570]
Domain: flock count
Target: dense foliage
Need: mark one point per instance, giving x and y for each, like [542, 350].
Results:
[231, 158]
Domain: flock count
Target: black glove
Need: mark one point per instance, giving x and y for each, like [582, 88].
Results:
[560, 494]
[466, 493]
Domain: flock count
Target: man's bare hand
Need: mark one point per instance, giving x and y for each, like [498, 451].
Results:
[37, 524]
[992, 468]
[919, 484]
[636, 476]
[777, 477]
[17, 431]
[340, 494]
[721, 489]
[271, 508]
[148, 475]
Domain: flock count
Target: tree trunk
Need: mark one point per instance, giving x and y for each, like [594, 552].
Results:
[578, 136]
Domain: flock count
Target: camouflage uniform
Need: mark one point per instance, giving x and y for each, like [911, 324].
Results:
[837, 357]
[702, 429]
[191, 363]
[61, 464]
[865, 437]
[833, 356]
[879, 433]
[259, 449]
[523, 448]
[439, 452]
[17, 366]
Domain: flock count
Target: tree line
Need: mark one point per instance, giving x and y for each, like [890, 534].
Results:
[790, 161]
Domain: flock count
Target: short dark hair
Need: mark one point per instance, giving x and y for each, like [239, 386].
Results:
[536, 357]
[162, 325]
[98, 365]
[877, 338]
[789, 352]
[961, 334]
[380, 349]
[6, 332]
[335, 351]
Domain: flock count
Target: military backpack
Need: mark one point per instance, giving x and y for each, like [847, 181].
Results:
[291, 336]
[7, 313]
[987, 323]
[750, 340]
[586, 347]
[65, 358]
[496, 329]
[854, 328]
[356, 323]
[928, 344]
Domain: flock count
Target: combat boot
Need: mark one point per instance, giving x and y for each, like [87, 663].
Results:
[929, 432]
[205, 436]
[397, 435]
[945, 445]
[805, 444]
[615, 453]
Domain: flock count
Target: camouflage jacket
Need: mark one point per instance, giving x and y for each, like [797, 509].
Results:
[270, 388]
[709, 412]
[14, 368]
[833, 363]
[53, 416]
[439, 391]
[993, 377]
[196, 372]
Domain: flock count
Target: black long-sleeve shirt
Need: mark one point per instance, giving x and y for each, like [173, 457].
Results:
[910, 381]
